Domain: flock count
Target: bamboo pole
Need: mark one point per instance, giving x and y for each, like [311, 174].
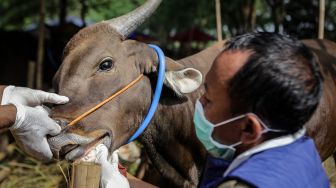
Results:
[40, 47]
[31, 74]
[85, 175]
[219, 21]
[321, 20]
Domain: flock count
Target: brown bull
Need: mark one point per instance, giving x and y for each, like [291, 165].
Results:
[98, 61]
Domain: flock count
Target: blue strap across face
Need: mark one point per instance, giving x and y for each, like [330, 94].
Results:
[157, 93]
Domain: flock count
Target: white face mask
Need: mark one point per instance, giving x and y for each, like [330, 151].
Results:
[204, 130]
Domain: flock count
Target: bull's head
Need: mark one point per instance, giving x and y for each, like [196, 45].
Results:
[98, 62]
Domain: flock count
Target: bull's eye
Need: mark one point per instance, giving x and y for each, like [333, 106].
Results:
[106, 64]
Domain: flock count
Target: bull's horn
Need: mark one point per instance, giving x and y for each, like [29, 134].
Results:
[126, 24]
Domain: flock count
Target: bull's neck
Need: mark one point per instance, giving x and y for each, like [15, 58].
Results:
[177, 113]
[174, 116]
[171, 137]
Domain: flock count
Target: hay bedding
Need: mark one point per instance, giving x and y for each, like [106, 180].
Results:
[19, 170]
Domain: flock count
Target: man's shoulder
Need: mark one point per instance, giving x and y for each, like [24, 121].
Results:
[301, 152]
[282, 165]
[303, 144]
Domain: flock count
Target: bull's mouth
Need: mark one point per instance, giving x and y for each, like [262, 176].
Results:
[67, 148]
[72, 147]
[74, 152]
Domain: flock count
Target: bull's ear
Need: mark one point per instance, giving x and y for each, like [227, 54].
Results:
[179, 78]
[183, 81]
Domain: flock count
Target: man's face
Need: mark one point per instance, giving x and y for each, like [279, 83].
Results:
[216, 100]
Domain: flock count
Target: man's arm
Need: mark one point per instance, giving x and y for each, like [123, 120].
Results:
[138, 183]
[7, 116]
[2, 88]
[21, 111]
[7, 112]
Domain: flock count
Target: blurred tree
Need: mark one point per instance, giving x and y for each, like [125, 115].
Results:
[297, 17]
[17, 14]
[302, 18]
[106, 9]
[277, 13]
[14, 13]
[63, 5]
[175, 16]
[239, 16]
[84, 10]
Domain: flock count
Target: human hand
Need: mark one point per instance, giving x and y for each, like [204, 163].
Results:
[111, 177]
[30, 97]
[32, 125]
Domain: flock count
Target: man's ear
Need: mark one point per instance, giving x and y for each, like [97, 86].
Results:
[252, 130]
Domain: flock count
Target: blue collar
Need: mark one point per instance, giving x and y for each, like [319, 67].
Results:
[157, 94]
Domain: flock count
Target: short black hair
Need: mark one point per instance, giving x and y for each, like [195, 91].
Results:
[280, 82]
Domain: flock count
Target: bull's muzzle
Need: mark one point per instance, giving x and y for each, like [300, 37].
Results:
[70, 146]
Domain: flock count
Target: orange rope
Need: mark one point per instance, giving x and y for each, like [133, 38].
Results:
[105, 101]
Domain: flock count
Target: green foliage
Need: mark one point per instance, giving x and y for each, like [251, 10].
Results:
[180, 15]
[298, 18]
[175, 16]
[15, 14]
[106, 9]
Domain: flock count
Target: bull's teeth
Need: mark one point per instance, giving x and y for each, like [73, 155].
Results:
[89, 157]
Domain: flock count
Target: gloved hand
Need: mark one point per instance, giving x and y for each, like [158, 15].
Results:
[30, 97]
[31, 126]
[111, 176]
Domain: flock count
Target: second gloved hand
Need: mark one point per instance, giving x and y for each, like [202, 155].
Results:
[111, 177]
[30, 129]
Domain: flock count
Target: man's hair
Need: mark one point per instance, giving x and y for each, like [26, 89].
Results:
[280, 82]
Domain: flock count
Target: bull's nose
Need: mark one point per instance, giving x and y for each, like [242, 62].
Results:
[62, 122]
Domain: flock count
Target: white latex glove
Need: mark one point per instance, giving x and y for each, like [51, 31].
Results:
[111, 177]
[32, 125]
[30, 97]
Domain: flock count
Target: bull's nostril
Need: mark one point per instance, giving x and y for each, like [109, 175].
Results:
[61, 122]
[58, 121]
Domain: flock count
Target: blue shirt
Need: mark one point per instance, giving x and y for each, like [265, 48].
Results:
[293, 165]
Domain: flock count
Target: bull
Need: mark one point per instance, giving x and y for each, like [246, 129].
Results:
[99, 61]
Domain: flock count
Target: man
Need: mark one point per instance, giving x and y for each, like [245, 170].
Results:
[259, 93]
[21, 111]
